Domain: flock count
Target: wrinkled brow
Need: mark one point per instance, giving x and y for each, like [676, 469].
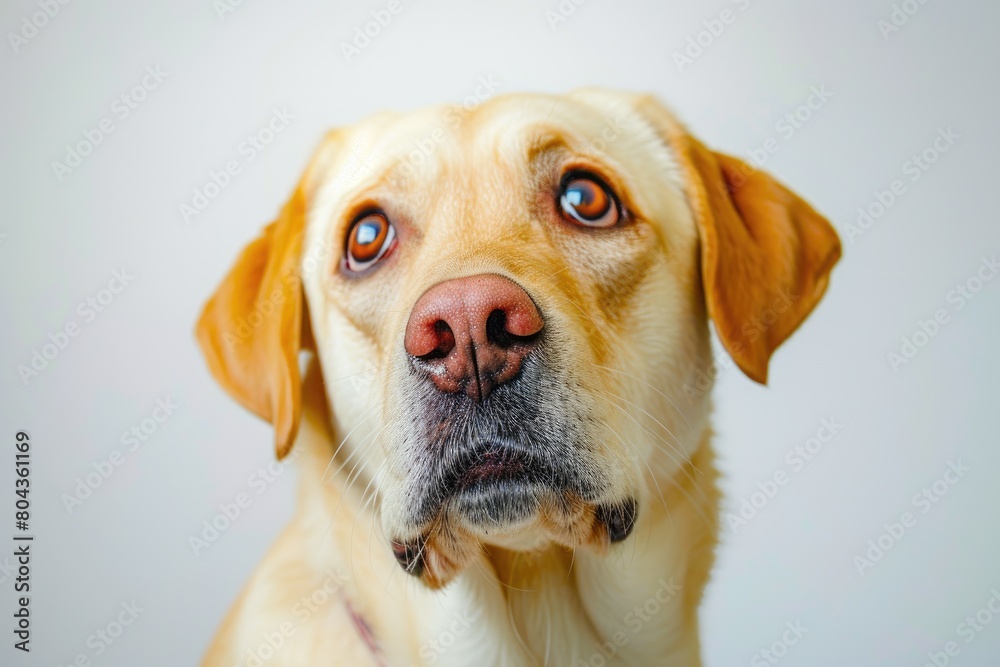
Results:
[544, 142]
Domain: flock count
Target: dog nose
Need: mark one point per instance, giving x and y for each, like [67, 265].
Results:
[472, 334]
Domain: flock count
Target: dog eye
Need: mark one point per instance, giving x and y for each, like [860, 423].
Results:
[584, 200]
[370, 238]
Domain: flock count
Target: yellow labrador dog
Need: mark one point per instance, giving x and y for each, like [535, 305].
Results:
[483, 334]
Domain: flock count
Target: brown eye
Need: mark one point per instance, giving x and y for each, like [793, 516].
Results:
[585, 201]
[371, 236]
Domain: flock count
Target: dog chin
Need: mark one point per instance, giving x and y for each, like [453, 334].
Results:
[498, 506]
[514, 514]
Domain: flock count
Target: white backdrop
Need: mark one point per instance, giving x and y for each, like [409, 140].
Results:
[911, 99]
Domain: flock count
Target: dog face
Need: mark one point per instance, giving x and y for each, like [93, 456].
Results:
[524, 291]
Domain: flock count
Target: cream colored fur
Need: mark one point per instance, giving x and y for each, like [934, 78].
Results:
[631, 323]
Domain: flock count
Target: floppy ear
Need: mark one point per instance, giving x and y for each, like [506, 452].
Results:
[250, 331]
[766, 255]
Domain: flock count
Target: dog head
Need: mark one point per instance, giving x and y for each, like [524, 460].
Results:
[508, 303]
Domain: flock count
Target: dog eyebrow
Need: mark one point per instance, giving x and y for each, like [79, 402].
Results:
[545, 142]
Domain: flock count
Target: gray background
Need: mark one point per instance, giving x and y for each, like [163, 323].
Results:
[119, 209]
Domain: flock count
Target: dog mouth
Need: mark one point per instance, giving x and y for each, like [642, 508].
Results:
[498, 485]
[490, 461]
[496, 466]
[499, 488]
[493, 467]
[517, 468]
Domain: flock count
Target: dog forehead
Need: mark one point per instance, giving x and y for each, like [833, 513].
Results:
[409, 149]
[464, 163]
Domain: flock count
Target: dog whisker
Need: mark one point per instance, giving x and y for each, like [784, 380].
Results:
[345, 489]
[373, 410]
[662, 395]
[682, 464]
[496, 356]
[683, 458]
[631, 446]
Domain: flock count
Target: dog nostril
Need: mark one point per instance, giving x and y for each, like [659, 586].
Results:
[471, 334]
[496, 329]
[445, 342]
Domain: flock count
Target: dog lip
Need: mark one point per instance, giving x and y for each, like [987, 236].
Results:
[619, 518]
[495, 466]
[410, 556]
